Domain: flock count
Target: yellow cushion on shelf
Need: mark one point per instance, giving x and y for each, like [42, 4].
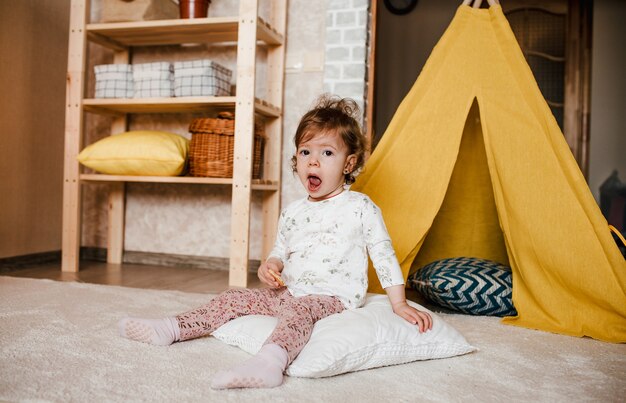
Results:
[142, 152]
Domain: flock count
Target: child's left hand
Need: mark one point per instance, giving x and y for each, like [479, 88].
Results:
[422, 319]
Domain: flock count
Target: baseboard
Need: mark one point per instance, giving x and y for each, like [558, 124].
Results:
[30, 260]
[187, 261]
[133, 257]
[165, 259]
[93, 253]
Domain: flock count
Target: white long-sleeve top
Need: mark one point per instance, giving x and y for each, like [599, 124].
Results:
[324, 247]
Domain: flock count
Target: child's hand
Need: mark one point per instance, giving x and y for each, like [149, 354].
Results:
[401, 308]
[422, 319]
[269, 273]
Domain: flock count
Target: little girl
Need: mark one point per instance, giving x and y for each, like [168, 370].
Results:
[319, 263]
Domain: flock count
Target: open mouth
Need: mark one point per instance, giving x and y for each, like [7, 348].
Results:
[314, 182]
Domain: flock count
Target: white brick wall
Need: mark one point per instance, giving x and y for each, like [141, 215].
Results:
[346, 35]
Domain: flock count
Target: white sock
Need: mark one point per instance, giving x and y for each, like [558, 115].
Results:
[160, 332]
[264, 370]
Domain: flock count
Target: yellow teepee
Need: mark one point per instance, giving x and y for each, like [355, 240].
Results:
[474, 164]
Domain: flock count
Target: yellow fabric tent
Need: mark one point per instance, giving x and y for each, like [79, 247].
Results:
[473, 163]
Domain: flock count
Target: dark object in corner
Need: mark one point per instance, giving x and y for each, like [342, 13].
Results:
[400, 7]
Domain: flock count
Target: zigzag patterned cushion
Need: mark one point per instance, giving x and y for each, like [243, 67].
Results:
[469, 285]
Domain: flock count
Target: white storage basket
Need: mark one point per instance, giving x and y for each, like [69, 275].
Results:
[114, 81]
[201, 78]
[153, 80]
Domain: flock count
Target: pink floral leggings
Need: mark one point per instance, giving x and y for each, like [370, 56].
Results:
[296, 316]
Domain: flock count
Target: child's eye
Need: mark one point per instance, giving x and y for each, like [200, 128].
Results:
[304, 152]
[327, 153]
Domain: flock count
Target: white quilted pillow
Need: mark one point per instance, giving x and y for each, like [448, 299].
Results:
[369, 337]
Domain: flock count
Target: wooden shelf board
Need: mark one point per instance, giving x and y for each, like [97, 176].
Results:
[170, 105]
[119, 35]
[268, 34]
[266, 109]
[257, 184]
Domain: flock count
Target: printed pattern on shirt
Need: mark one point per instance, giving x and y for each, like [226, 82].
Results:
[324, 247]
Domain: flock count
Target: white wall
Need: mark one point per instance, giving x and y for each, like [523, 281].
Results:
[608, 93]
[346, 34]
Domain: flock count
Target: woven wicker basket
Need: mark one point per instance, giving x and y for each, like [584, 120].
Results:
[212, 144]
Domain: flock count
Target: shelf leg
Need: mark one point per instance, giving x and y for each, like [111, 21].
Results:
[272, 171]
[71, 224]
[73, 136]
[115, 240]
[272, 168]
[244, 137]
[117, 191]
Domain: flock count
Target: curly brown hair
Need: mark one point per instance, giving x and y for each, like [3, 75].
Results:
[332, 113]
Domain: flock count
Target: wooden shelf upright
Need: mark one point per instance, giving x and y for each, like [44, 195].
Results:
[249, 32]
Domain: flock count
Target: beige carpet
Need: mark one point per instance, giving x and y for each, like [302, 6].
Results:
[58, 342]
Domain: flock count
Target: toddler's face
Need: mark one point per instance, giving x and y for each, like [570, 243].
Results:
[320, 163]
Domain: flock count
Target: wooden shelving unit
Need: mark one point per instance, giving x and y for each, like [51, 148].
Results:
[167, 32]
[249, 32]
